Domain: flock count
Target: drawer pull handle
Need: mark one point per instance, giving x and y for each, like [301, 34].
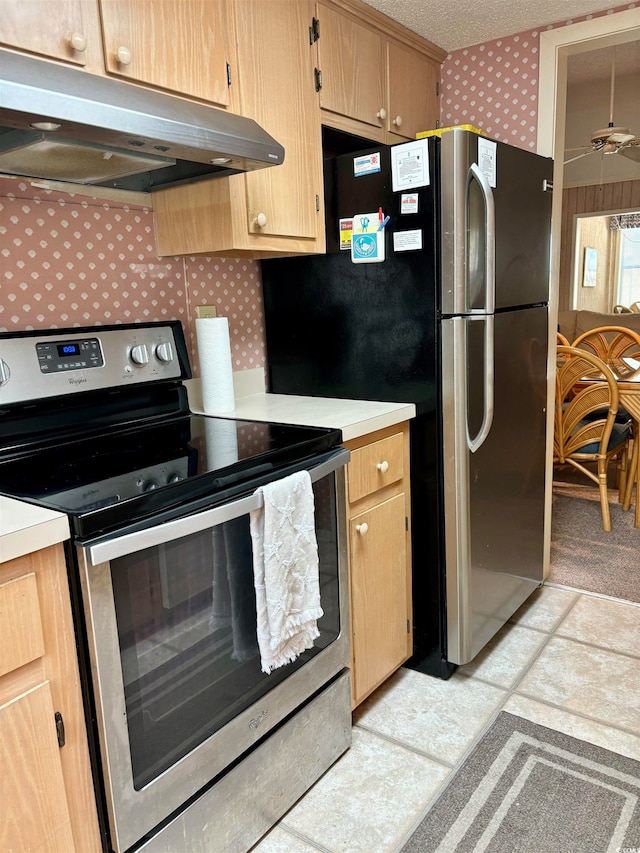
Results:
[363, 528]
[383, 467]
[382, 113]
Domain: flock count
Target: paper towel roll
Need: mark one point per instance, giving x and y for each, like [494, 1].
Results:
[214, 353]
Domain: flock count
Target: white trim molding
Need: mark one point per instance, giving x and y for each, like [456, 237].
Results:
[555, 46]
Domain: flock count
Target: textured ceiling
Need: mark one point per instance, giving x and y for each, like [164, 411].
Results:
[467, 22]
[596, 64]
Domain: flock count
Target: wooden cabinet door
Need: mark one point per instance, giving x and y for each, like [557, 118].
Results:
[413, 86]
[352, 63]
[378, 565]
[46, 27]
[277, 89]
[32, 791]
[47, 798]
[179, 45]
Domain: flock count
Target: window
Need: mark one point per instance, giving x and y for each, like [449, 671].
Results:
[629, 266]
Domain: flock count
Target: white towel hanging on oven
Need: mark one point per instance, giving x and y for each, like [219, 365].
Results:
[286, 570]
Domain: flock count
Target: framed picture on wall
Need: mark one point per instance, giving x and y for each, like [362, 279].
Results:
[590, 267]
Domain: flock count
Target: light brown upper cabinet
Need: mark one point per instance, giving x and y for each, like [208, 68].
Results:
[379, 80]
[60, 29]
[352, 60]
[183, 46]
[277, 210]
[413, 82]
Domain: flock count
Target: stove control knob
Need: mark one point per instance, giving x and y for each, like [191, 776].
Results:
[5, 373]
[174, 478]
[139, 354]
[164, 353]
[150, 485]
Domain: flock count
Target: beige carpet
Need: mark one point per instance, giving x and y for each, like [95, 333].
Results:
[583, 555]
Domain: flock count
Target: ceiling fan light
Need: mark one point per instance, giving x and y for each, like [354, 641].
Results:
[605, 133]
[622, 138]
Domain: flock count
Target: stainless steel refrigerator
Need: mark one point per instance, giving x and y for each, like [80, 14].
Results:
[455, 320]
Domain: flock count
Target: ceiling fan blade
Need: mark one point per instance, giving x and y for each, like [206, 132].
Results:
[631, 151]
[578, 157]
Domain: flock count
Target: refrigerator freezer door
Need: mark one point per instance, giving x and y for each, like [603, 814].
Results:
[520, 207]
[493, 495]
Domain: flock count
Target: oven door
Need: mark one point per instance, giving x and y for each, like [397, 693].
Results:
[171, 629]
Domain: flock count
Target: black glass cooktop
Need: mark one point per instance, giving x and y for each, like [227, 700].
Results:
[124, 477]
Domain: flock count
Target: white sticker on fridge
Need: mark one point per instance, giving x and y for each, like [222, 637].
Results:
[409, 203]
[410, 165]
[487, 150]
[366, 165]
[407, 241]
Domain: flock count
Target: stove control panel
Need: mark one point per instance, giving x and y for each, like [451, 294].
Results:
[54, 363]
[69, 355]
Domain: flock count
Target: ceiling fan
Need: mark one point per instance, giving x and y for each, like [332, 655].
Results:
[612, 139]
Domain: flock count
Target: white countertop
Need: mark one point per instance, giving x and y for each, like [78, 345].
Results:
[25, 528]
[354, 417]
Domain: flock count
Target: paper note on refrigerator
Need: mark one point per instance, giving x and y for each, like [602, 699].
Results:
[410, 165]
[487, 150]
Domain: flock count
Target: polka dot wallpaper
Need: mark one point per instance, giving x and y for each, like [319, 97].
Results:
[67, 260]
[494, 86]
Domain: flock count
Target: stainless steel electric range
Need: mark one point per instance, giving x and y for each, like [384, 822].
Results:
[193, 746]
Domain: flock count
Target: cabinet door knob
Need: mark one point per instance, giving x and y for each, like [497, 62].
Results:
[260, 220]
[383, 466]
[397, 121]
[363, 528]
[123, 55]
[382, 113]
[78, 42]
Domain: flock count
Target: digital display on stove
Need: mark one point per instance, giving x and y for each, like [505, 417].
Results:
[67, 350]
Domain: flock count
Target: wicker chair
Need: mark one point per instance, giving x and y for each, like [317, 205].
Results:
[561, 341]
[585, 429]
[614, 345]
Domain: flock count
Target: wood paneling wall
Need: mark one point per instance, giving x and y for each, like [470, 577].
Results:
[595, 233]
[624, 195]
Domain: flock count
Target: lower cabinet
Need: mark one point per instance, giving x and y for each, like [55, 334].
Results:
[378, 508]
[46, 788]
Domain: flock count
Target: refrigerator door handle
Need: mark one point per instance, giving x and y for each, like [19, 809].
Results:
[475, 174]
[487, 418]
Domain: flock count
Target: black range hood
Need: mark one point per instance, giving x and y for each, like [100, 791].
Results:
[64, 124]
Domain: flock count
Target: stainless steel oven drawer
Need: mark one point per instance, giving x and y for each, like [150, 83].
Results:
[232, 815]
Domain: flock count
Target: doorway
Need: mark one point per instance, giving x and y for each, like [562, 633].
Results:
[555, 48]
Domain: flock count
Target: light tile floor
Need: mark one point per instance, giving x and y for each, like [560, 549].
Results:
[567, 660]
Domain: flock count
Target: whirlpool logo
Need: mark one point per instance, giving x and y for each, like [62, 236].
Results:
[79, 381]
[253, 724]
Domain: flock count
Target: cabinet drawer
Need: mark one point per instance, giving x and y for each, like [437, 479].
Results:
[374, 466]
[20, 623]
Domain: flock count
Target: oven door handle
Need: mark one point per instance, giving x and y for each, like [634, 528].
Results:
[129, 543]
